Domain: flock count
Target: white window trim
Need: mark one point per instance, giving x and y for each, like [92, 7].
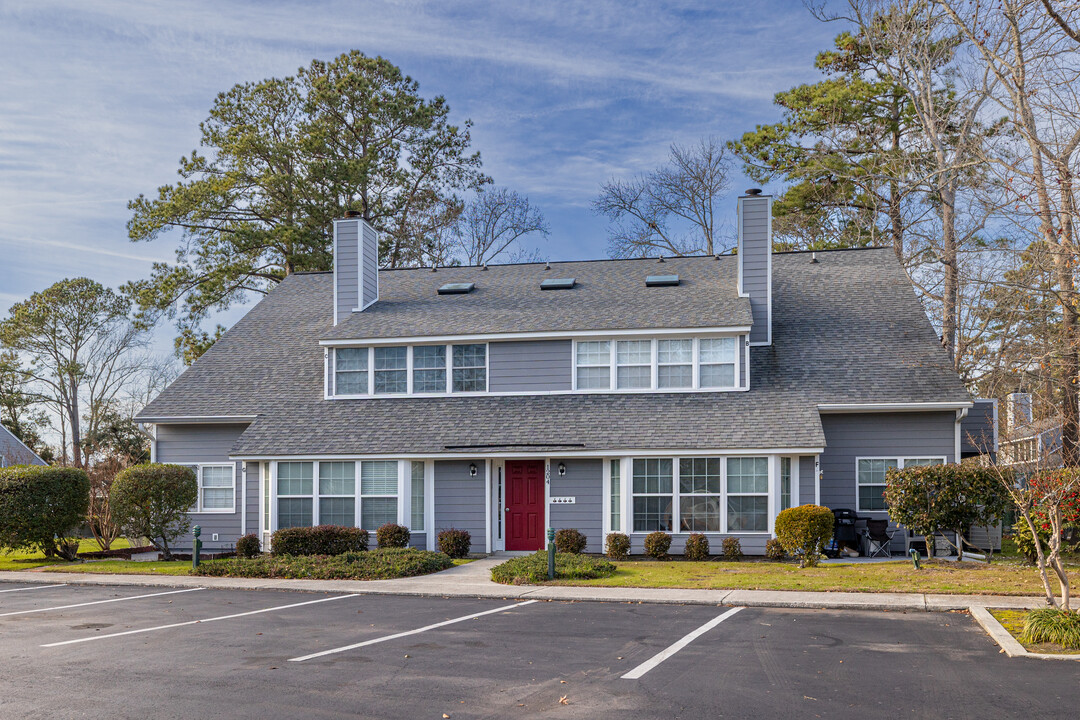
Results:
[317, 494]
[772, 486]
[650, 365]
[409, 369]
[313, 496]
[199, 509]
[900, 460]
[358, 520]
[654, 386]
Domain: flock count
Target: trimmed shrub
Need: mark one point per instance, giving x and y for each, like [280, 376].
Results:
[454, 542]
[617, 546]
[697, 547]
[152, 501]
[533, 568]
[803, 532]
[320, 540]
[1052, 625]
[657, 544]
[571, 541]
[732, 549]
[381, 564]
[40, 508]
[248, 546]
[774, 550]
[392, 535]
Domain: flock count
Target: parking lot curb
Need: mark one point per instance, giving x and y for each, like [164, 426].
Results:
[1005, 639]
[472, 587]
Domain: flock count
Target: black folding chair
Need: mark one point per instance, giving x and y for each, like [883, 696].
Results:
[878, 538]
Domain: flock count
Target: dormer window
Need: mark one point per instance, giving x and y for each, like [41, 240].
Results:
[391, 370]
[429, 369]
[352, 371]
[470, 368]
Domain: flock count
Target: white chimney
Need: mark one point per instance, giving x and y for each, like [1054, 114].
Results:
[755, 261]
[356, 265]
[1017, 410]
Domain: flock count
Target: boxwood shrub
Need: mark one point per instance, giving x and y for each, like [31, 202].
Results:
[657, 544]
[454, 542]
[533, 568]
[732, 548]
[153, 501]
[40, 508]
[774, 550]
[697, 547]
[569, 540]
[803, 531]
[617, 545]
[248, 546]
[321, 540]
[392, 535]
[381, 564]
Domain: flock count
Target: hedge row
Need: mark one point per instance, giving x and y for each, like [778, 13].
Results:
[533, 568]
[381, 564]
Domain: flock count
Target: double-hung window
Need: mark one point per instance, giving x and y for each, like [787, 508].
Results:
[594, 365]
[470, 368]
[717, 360]
[429, 369]
[416, 496]
[391, 370]
[295, 486]
[633, 364]
[699, 494]
[747, 494]
[351, 371]
[217, 488]
[675, 364]
[378, 493]
[870, 479]
[652, 486]
[337, 493]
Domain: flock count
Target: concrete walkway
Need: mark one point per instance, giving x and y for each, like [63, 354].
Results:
[473, 580]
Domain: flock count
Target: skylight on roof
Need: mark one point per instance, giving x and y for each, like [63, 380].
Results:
[661, 280]
[456, 288]
[557, 283]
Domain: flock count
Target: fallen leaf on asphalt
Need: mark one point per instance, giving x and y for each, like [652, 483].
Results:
[406, 656]
[445, 715]
[563, 700]
[807, 697]
[563, 682]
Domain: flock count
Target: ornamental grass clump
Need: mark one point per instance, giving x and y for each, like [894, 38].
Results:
[1052, 625]
[569, 540]
[617, 546]
[657, 544]
[697, 547]
[804, 531]
[533, 568]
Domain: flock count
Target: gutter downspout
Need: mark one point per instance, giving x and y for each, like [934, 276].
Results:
[960, 415]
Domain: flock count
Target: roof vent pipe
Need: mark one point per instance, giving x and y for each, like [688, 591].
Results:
[754, 191]
[813, 257]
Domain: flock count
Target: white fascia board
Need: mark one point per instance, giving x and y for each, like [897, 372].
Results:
[543, 335]
[196, 419]
[481, 452]
[827, 408]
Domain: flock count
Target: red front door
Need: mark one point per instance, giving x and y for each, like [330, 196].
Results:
[524, 504]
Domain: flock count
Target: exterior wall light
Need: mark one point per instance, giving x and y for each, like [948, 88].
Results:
[472, 469]
[562, 468]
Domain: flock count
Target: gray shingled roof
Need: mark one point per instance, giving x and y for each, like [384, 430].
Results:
[847, 329]
[609, 295]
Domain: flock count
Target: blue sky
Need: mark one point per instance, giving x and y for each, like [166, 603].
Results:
[99, 98]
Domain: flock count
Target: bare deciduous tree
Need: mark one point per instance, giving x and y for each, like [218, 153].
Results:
[671, 210]
[494, 223]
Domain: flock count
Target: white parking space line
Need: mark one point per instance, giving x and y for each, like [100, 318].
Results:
[395, 636]
[197, 622]
[686, 640]
[35, 587]
[98, 602]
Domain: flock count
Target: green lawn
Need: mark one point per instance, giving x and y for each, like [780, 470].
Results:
[899, 576]
[31, 560]
[127, 567]
[1013, 621]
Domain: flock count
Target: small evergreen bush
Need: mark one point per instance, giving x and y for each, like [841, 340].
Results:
[617, 546]
[321, 540]
[248, 546]
[657, 544]
[570, 541]
[697, 547]
[533, 568]
[774, 550]
[41, 507]
[392, 535]
[803, 532]
[153, 500]
[454, 542]
[732, 549]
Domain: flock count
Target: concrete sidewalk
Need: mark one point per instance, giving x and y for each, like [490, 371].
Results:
[473, 580]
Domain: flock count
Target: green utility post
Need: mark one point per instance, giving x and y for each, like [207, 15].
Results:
[551, 553]
[195, 547]
[915, 558]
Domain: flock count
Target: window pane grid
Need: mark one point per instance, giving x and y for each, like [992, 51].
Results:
[350, 367]
[379, 477]
[616, 497]
[470, 368]
[337, 511]
[337, 478]
[633, 360]
[416, 498]
[391, 373]
[376, 512]
[429, 369]
[294, 478]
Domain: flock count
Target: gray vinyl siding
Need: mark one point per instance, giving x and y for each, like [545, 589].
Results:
[530, 366]
[754, 258]
[584, 481]
[14, 452]
[191, 443]
[370, 265]
[459, 499]
[978, 431]
[346, 267]
[806, 480]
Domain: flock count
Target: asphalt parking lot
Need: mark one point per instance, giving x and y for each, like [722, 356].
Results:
[127, 652]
